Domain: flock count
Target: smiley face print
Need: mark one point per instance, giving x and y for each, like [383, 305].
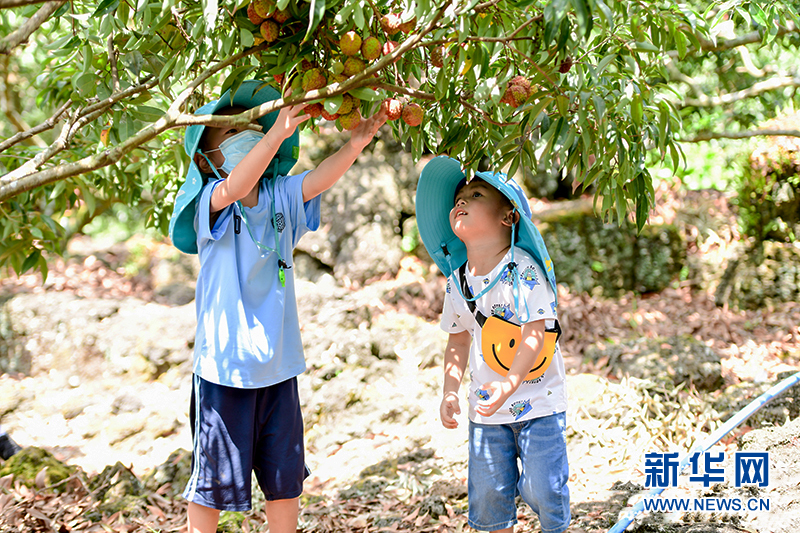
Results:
[500, 341]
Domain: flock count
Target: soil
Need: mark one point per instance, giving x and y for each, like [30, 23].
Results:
[402, 476]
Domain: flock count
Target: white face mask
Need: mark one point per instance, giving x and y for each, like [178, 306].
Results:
[234, 148]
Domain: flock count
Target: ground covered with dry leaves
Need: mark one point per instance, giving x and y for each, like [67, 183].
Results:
[613, 419]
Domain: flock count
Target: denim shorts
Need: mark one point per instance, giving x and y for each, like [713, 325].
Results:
[526, 458]
[239, 431]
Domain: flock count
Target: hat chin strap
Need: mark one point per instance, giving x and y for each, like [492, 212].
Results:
[213, 168]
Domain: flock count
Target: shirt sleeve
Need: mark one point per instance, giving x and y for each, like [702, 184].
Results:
[305, 215]
[202, 219]
[451, 319]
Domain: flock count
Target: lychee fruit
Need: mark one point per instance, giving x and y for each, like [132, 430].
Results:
[270, 30]
[314, 110]
[254, 17]
[371, 48]
[412, 114]
[566, 65]
[281, 16]
[339, 78]
[264, 8]
[389, 47]
[515, 95]
[521, 81]
[437, 57]
[306, 65]
[393, 108]
[279, 78]
[353, 66]
[391, 23]
[350, 43]
[350, 120]
[314, 79]
[348, 103]
[408, 27]
[329, 116]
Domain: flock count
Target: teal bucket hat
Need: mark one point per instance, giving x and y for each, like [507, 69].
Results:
[251, 93]
[436, 190]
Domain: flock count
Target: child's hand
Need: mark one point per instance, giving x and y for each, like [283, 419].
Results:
[448, 408]
[288, 119]
[366, 129]
[498, 391]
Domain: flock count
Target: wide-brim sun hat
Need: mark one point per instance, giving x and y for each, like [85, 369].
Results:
[436, 189]
[250, 93]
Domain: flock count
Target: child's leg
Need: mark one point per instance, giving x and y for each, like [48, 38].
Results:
[545, 471]
[493, 476]
[202, 519]
[282, 515]
[279, 458]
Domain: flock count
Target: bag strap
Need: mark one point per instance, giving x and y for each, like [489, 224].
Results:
[479, 317]
[465, 290]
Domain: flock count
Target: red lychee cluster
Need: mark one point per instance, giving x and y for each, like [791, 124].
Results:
[411, 113]
[393, 23]
[266, 15]
[518, 91]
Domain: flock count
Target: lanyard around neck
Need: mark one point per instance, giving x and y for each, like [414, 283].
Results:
[282, 266]
[281, 263]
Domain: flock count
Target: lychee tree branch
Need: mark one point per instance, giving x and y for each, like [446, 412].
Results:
[6, 4]
[752, 91]
[31, 25]
[738, 135]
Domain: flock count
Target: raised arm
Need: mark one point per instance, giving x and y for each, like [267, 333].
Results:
[333, 168]
[244, 176]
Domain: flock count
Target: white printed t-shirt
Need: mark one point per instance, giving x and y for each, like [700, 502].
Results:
[536, 398]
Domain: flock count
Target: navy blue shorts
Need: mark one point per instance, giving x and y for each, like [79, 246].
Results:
[239, 431]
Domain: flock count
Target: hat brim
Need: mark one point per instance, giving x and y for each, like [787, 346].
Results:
[434, 201]
[251, 93]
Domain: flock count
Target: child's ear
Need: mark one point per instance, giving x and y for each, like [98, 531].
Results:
[511, 218]
[202, 163]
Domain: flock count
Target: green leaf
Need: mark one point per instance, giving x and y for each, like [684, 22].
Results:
[315, 15]
[145, 113]
[246, 38]
[105, 7]
[168, 69]
[333, 104]
[235, 79]
[636, 109]
[58, 190]
[663, 123]
[584, 16]
[644, 46]
[366, 94]
[210, 11]
[680, 43]
[86, 85]
[30, 261]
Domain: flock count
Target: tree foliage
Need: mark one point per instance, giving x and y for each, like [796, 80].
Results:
[95, 94]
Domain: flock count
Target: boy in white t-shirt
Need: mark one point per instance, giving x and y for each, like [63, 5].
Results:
[500, 312]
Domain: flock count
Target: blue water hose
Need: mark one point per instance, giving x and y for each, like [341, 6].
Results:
[712, 439]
